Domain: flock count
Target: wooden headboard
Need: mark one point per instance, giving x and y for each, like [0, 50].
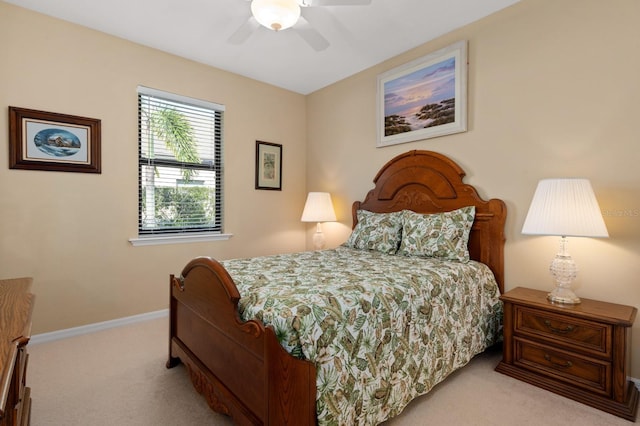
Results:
[429, 182]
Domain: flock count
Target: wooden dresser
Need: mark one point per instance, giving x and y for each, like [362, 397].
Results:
[16, 306]
[578, 351]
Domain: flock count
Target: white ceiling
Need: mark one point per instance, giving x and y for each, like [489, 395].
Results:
[359, 36]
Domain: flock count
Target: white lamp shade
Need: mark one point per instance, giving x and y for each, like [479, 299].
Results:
[318, 208]
[276, 14]
[565, 207]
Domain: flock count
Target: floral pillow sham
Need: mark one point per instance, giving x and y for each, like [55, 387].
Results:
[441, 235]
[376, 231]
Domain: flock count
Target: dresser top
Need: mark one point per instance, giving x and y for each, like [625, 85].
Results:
[16, 305]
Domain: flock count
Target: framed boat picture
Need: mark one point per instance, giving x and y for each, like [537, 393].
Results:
[40, 140]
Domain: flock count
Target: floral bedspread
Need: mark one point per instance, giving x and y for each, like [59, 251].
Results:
[381, 329]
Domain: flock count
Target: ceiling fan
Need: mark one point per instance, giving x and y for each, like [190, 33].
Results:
[278, 15]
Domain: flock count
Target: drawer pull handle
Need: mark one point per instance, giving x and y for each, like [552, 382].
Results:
[568, 329]
[567, 364]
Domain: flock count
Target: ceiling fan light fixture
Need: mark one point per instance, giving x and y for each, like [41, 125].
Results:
[276, 14]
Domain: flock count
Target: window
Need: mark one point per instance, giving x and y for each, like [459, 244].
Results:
[180, 165]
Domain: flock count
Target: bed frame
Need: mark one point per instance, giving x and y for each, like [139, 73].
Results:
[240, 367]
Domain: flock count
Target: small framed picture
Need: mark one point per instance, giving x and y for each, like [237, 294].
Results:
[268, 166]
[424, 98]
[40, 140]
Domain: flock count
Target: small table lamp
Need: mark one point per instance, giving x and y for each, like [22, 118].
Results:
[318, 208]
[567, 208]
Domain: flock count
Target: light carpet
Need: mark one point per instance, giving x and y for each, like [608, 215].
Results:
[118, 377]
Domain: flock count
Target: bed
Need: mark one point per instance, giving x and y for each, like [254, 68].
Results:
[360, 355]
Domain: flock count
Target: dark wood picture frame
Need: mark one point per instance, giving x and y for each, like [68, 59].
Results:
[40, 140]
[268, 166]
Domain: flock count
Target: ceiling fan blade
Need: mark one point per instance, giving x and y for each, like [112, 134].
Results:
[310, 35]
[244, 31]
[335, 2]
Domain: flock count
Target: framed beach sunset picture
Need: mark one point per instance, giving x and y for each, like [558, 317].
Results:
[424, 98]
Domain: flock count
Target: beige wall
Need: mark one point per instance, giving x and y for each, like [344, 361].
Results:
[554, 91]
[70, 231]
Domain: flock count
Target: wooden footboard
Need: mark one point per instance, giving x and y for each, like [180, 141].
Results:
[239, 367]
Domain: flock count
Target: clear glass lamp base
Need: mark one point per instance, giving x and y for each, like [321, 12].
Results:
[564, 296]
[564, 270]
[318, 238]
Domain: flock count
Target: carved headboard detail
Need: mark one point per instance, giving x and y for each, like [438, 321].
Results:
[429, 182]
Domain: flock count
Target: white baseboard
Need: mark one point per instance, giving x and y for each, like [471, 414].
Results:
[91, 328]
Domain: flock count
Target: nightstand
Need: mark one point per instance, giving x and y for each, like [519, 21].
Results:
[579, 351]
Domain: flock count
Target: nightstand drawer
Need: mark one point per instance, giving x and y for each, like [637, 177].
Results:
[584, 372]
[589, 336]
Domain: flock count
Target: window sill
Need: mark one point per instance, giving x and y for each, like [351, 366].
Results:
[154, 240]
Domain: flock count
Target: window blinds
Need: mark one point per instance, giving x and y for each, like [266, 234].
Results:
[180, 164]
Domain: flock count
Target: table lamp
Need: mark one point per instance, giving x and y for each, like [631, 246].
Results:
[566, 208]
[318, 208]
